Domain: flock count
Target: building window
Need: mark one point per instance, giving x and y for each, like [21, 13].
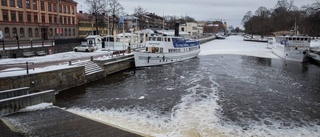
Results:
[36, 32]
[19, 3]
[42, 5]
[7, 32]
[4, 3]
[28, 4]
[35, 18]
[65, 20]
[13, 16]
[55, 19]
[69, 22]
[29, 17]
[65, 32]
[54, 8]
[51, 32]
[50, 19]
[43, 19]
[69, 32]
[49, 7]
[30, 32]
[21, 32]
[74, 32]
[72, 10]
[68, 10]
[65, 9]
[60, 9]
[12, 3]
[34, 5]
[73, 20]
[5, 16]
[20, 17]
[14, 32]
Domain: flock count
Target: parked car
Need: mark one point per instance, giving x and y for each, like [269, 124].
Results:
[86, 48]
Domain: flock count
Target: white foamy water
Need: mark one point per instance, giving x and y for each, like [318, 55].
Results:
[198, 113]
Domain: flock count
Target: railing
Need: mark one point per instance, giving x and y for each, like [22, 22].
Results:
[20, 44]
[25, 65]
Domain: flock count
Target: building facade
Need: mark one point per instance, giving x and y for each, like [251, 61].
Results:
[194, 29]
[38, 19]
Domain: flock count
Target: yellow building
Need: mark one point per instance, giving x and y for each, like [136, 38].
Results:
[38, 19]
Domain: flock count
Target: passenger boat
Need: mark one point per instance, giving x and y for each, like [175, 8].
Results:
[291, 47]
[162, 49]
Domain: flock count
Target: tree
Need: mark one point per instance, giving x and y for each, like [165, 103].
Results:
[115, 9]
[96, 8]
[263, 21]
[139, 12]
[247, 23]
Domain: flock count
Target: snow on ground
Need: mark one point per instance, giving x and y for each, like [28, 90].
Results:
[236, 45]
[55, 57]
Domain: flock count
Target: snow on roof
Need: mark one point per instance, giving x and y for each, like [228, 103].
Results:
[93, 36]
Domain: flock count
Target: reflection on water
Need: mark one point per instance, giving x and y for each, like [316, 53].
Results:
[206, 96]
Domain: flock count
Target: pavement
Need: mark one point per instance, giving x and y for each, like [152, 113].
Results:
[55, 122]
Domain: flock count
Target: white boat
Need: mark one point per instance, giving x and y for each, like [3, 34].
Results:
[271, 41]
[291, 47]
[162, 50]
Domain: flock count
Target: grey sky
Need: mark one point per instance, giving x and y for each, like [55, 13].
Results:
[232, 11]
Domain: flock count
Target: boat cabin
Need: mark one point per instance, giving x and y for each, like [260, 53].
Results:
[169, 44]
[294, 41]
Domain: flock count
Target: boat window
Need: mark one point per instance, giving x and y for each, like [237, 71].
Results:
[150, 38]
[290, 38]
[158, 38]
[294, 38]
[168, 39]
[305, 39]
[298, 38]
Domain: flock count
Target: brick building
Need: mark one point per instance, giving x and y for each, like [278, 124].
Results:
[38, 19]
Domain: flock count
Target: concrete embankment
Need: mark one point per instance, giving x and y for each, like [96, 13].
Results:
[55, 122]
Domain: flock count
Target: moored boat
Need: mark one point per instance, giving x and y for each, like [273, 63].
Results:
[291, 47]
[163, 49]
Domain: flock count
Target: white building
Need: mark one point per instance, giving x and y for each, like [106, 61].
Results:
[192, 28]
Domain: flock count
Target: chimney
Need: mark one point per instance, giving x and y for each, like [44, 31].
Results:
[176, 29]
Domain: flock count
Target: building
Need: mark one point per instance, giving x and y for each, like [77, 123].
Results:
[192, 28]
[38, 19]
[215, 27]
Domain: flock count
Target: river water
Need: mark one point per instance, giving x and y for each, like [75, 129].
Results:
[214, 94]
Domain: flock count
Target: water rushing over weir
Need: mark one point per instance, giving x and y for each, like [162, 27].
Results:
[213, 95]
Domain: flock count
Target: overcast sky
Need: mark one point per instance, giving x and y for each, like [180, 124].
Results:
[232, 11]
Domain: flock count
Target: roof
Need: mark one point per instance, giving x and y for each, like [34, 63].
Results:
[83, 16]
[93, 36]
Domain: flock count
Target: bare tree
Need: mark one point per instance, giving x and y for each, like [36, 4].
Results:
[139, 12]
[247, 23]
[96, 9]
[115, 9]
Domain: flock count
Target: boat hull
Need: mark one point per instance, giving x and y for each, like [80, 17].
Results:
[144, 59]
[289, 53]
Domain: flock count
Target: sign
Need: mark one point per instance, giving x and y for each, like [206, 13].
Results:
[59, 31]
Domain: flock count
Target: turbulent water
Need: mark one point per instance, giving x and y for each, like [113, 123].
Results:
[211, 95]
